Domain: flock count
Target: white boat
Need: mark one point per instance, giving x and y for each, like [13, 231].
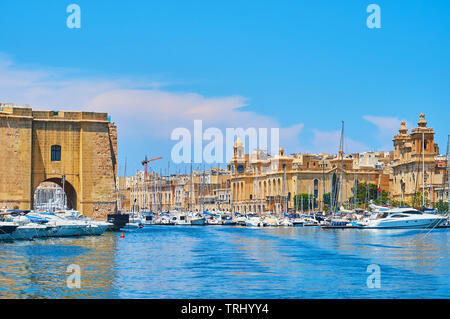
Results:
[254, 222]
[196, 219]
[298, 222]
[92, 227]
[403, 218]
[132, 226]
[179, 219]
[62, 227]
[27, 229]
[286, 223]
[240, 220]
[149, 219]
[214, 219]
[270, 222]
[163, 220]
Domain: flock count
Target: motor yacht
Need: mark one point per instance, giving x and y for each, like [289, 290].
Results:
[179, 219]
[298, 222]
[93, 227]
[254, 221]
[285, 222]
[60, 226]
[240, 220]
[196, 219]
[402, 218]
[149, 219]
[270, 222]
[30, 227]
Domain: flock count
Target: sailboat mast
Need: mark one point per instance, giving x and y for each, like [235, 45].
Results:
[191, 197]
[448, 174]
[423, 169]
[341, 152]
[284, 190]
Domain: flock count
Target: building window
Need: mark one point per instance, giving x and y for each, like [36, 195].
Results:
[56, 153]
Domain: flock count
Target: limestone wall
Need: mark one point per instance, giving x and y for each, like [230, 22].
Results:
[88, 157]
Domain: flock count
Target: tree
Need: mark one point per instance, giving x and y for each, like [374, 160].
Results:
[417, 201]
[326, 198]
[302, 200]
[441, 206]
[369, 192]
[397, 203]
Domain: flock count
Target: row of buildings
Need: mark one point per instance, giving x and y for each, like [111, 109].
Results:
[259, 182]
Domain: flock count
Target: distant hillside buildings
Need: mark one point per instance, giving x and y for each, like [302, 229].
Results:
[259, 182]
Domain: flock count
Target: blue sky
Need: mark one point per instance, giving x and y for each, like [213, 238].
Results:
[302, 66]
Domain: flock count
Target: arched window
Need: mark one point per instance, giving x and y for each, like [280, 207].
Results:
[56, 153]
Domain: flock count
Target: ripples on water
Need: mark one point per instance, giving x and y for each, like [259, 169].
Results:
[231, 262]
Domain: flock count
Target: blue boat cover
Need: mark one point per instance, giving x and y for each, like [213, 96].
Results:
[37, 220]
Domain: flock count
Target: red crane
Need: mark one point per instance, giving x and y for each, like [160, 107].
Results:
[146, 161]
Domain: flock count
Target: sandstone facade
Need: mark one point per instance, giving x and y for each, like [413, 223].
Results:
[87, 159]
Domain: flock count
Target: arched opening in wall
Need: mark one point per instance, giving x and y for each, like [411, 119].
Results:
[50, 196]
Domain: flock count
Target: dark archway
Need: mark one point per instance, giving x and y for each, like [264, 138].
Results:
[69, 191]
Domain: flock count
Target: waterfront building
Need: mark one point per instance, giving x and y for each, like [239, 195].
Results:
[201, 190]
[77, 150]
[417, 165]
[263, 183]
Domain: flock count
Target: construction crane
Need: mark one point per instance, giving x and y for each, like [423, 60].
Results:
[145, 164]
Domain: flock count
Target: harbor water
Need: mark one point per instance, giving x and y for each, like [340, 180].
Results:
[231, 262]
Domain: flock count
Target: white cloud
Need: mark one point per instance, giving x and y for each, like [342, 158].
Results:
[387, 126]
[150, 113]
[328, 142]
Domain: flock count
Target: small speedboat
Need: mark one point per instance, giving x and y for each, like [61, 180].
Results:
[228, 222]
[286, 223]
[270, 222]
[132, 225]
[180, 219]
[254, 222]
[298, 222]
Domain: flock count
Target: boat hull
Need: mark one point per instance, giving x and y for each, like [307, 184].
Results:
[407, 224]
[198, 222]
[6, 231]
[28, 233]
[67, 231]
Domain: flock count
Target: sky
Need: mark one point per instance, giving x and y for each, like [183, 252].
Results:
[300, 66]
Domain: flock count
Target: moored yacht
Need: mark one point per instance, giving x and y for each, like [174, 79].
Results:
[254, 221]
[403, 218]
[93, 227]
[62, 227]
[179, 219]
[30, 227]
[270, 222]
[196, 219]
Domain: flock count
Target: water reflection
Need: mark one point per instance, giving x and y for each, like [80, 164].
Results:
[231, 262]
[37, 269]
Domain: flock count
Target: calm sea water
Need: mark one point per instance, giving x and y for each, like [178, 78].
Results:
[231, 262]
